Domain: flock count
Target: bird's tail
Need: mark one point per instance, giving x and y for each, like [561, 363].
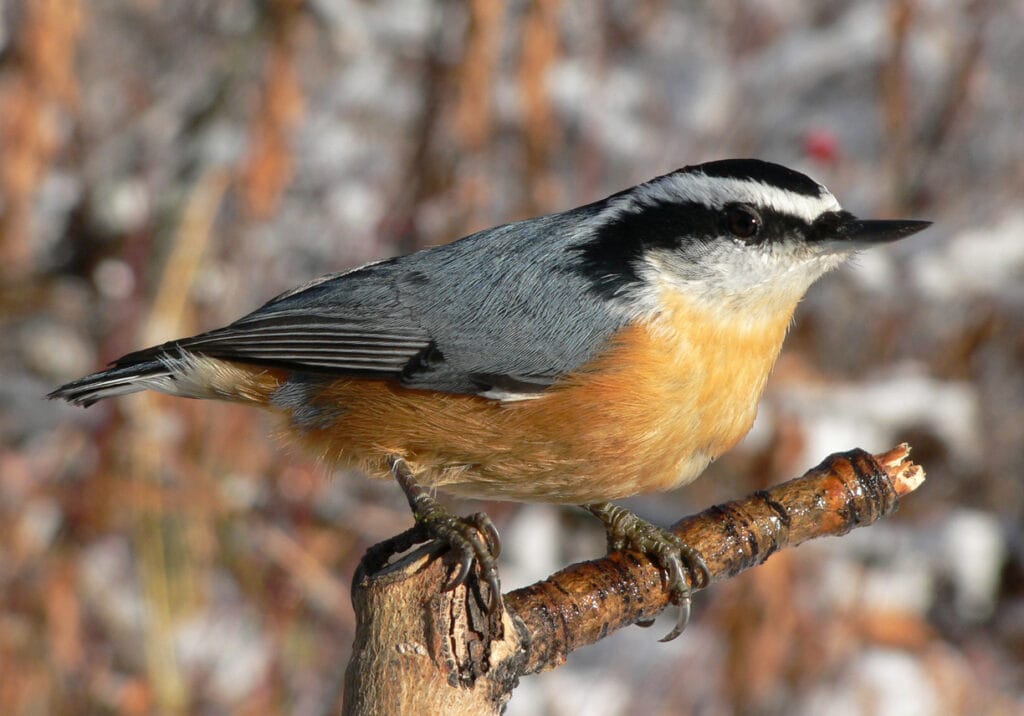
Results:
[120, 380]
[174, 371]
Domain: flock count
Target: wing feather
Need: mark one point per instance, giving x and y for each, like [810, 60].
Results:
[303, 341]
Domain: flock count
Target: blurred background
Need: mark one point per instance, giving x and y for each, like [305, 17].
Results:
[166, 166]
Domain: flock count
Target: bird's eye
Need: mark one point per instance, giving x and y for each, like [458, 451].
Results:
[742, 222]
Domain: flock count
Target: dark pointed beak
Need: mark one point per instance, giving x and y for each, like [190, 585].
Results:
[880, 231]
[842, 231]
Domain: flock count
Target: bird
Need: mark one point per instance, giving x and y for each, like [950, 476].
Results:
[581, 357]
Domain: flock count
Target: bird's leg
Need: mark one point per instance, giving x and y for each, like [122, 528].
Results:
[473, 538]
[626, 530]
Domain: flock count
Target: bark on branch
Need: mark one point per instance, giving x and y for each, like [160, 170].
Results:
[419, 649]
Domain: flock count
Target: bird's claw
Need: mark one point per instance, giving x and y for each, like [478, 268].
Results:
[476, 542]
[626, 530]
[474, 539]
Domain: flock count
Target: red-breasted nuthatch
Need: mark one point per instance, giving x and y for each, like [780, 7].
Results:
[580, 357]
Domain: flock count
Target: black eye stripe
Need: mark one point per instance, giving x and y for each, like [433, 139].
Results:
[776, 225]
[827, 225]
[609, 257]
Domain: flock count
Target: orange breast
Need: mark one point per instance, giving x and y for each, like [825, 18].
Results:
[648, 414]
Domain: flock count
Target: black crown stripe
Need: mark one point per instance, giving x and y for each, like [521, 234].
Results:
[760, 171]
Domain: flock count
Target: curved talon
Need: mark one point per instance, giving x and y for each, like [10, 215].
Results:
[496, 602]
[677, 584]
[490, 533]
[487, 552]
[474, 538]
[681, 620]
[697, 563]
[672, 563]
[469, 538]
[645, 623]
[674, 557]
[460, 576]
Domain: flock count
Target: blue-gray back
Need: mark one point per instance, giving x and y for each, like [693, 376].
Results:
[501, 310]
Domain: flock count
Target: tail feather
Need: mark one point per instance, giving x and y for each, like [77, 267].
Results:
[119, 380]
[186, 375]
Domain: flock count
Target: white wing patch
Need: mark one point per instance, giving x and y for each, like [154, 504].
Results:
[509, 396]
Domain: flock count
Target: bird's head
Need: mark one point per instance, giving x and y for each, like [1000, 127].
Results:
[737, 232]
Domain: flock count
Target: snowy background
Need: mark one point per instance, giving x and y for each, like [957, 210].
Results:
[166, 166]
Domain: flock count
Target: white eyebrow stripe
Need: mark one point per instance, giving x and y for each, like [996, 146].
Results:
[716, 192]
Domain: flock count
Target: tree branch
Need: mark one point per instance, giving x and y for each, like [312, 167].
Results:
[419, 649]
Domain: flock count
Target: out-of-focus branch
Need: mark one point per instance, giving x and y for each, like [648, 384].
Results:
[419, 649]
[38, 96]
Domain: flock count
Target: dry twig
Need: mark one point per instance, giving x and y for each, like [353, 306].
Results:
[421, 650]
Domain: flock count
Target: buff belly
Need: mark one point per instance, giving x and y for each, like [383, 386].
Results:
[647, 415]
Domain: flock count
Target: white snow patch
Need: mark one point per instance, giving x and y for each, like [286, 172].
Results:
[973, 550]
[883, 682]
[531, 542]
[872, 415]
[985, 261]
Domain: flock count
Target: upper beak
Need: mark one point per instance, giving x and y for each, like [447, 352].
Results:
[846, 233]
[883, 231]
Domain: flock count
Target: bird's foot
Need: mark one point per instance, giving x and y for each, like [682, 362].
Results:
[626, 530]
[474, 539]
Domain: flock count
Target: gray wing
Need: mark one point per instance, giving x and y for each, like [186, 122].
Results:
[494, 311]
